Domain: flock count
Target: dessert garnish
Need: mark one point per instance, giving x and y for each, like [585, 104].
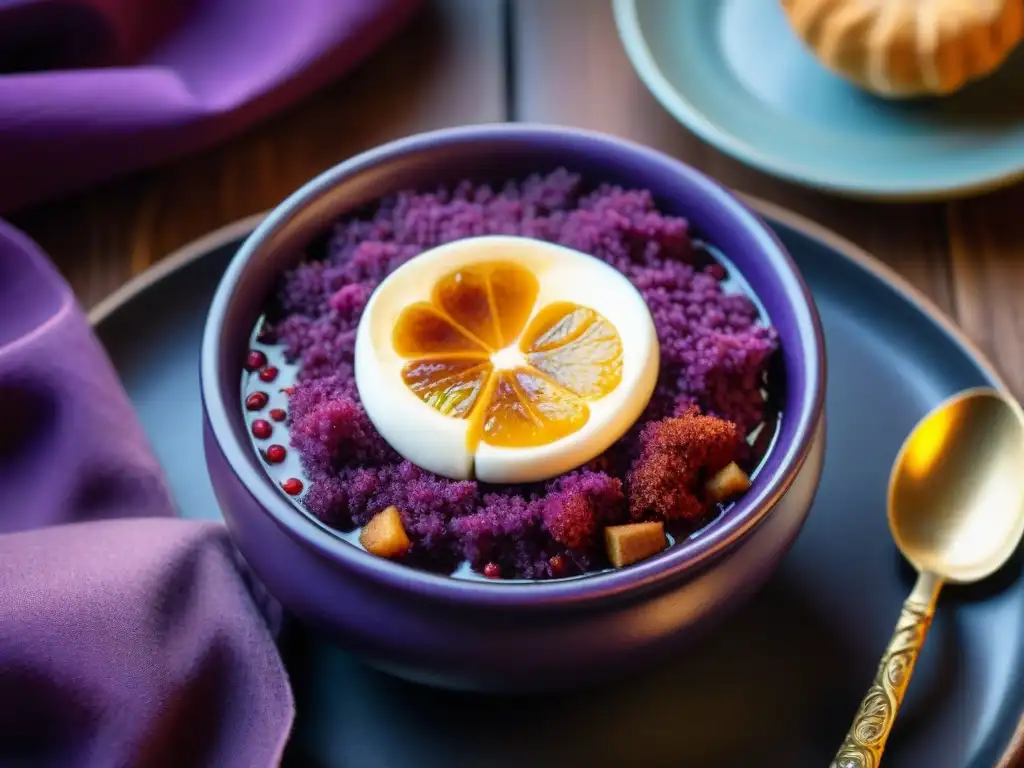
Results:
[498, 358]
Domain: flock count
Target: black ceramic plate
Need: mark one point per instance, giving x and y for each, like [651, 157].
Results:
[777, 684]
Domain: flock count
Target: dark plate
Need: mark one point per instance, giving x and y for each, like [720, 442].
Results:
[778, 683]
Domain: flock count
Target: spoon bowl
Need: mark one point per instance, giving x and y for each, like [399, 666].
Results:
[956, 493]
[956, 512]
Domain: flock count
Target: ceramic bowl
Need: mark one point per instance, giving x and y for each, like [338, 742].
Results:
[494, 636]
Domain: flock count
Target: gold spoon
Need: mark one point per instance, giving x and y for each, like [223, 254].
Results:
[956, 511]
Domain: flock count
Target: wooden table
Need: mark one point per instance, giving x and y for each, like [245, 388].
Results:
[557, 61]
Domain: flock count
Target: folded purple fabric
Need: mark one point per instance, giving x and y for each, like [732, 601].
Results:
[93, 88]
[128, 637]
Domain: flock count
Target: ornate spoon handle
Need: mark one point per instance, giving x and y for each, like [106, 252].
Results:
[866, 738]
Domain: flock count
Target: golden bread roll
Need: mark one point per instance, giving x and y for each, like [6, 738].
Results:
[907, 48]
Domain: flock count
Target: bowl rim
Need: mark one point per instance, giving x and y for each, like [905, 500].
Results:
[673, 564]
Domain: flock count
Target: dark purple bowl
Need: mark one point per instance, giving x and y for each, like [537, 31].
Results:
[512, 636]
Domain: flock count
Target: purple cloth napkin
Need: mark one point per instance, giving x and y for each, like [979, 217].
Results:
[90, 89]
[128, 637]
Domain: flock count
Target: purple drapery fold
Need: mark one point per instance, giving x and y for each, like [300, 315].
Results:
[90, 89]
[127, 636]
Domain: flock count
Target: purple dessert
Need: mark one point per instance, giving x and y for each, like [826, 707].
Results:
[712, 411]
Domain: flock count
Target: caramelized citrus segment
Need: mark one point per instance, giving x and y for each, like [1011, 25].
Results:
[514, 292]
[422, 330]
[525, 411]
[465, 298]
[449, 385]
[555, 325]
[575, 347]
[492, 301]
[506, 419]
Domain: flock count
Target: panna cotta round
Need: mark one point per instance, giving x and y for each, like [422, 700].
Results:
[504, 359]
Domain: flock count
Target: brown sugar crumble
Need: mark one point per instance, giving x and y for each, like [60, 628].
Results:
[677, 456]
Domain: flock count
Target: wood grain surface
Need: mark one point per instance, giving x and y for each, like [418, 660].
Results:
[558, 61]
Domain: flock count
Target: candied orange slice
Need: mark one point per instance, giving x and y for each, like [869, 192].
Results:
[469, 357]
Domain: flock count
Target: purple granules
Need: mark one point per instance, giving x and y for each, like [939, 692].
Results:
[714, 352]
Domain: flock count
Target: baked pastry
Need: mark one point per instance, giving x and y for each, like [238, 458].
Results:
[906, 48]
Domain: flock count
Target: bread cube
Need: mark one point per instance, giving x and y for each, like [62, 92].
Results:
[384, 535]
[632, 542]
